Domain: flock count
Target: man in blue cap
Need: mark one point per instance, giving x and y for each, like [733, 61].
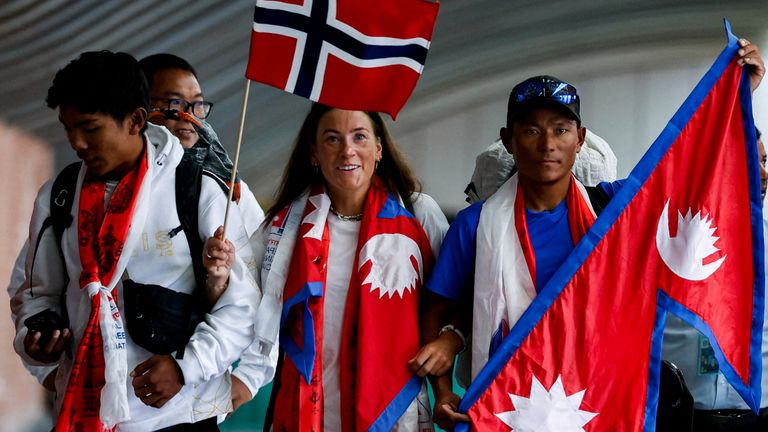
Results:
[502, 251]
[517, 238]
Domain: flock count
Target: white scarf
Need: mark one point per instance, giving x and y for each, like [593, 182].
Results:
[503, 284]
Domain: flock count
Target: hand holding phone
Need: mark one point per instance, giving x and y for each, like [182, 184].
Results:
[45, 322]
[47, 336]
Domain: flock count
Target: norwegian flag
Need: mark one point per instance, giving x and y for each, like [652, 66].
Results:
[350, 54]
[683, 235]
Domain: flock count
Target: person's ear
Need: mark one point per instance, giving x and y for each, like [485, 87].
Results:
[506, 138]
[582, 131]
[136, 121]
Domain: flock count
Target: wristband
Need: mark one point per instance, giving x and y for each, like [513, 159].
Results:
[451, 327]
[218, 287]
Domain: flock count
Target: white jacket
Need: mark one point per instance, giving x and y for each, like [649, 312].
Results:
[17, 278]
[157, 259]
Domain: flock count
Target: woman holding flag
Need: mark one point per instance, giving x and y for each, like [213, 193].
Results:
[347, 246]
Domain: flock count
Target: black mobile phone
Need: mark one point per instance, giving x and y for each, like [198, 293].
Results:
[45, 322]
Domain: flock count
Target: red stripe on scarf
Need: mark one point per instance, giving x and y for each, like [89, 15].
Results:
[580, 219]
[521, 226]
[379, 335]
[101, 236]
[299, 404]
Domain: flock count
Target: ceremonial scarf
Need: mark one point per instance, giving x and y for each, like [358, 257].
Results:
[505, 264]
[380, 327]
[96, 396]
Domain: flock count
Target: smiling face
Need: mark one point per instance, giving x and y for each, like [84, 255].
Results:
[175, 84]
[109, 148]
[544, 144]
[346, 150]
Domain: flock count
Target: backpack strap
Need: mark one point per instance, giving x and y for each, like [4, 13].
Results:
[62, 198]
[60, 218]
[189, 175]
[189, 180]
[598, 198]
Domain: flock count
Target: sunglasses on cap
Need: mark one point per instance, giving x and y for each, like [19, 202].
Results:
[545, 87]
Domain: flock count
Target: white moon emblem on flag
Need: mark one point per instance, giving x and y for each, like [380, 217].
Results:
[392, 270]
[684, 254]
[546, 410]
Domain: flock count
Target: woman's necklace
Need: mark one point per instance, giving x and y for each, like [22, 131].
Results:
[353, 218]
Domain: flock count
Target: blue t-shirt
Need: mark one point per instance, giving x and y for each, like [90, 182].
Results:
[550, 237]
[551, 240]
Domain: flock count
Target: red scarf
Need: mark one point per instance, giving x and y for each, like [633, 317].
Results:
[580, 219]
[101, 236]
[380, 327]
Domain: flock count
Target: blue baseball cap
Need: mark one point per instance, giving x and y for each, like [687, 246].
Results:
[543, 91]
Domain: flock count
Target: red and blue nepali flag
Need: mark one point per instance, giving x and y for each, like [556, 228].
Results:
[350, 54]
[683, 235]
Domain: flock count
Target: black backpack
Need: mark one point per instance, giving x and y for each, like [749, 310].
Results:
[189, 174]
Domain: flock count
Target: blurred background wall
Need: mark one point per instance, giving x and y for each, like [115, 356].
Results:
[27, 162]
[633, 61]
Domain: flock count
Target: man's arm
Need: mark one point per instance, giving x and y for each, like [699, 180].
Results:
[228, 328]
[42, 373]
[41, 289]
[452, 274]
[448, 301]
[259, 361]
[225, 331]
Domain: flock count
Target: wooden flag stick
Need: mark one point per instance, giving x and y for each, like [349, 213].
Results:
[237, 155]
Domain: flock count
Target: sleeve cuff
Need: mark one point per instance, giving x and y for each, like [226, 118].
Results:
[191, 368]
[248, 378]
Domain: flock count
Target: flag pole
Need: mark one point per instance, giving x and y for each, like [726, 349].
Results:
[237, 156]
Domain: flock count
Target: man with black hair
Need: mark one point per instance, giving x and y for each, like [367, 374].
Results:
[501, 252]
[176, 96]
[124, 263]
[177, 102]
[173, 85]
[536, 215]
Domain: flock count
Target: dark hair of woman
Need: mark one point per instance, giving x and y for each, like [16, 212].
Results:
[299, 174]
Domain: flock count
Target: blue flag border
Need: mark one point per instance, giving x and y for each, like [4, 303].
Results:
[302, 357]
[750, 392]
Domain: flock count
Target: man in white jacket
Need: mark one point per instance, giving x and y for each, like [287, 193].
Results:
[122, 254]
[173, 89]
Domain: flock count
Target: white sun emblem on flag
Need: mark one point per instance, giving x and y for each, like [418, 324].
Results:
[392, 270]
[322, 203]
[547, 410]
[684, 254]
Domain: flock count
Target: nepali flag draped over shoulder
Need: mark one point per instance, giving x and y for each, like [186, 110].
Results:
[684, 234]
[350, 54]
[379, 325]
